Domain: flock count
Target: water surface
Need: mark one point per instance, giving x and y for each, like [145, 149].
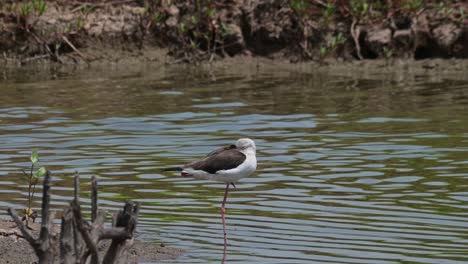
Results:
[354, 167]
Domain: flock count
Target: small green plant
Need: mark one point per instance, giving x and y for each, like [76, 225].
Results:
[79, 23]
[387, 52]
[26, 10]
[323, 51]
[194, 20]
[87, 9]
[359, 8]
[39, 7]
[211, 12]
[30, 11]
[413, 5]
[336, 41]
[444, 9]
[329, 11]
[182, 28]
[33, 178]
[35, 7]
[194, 45]
[158, 17]
[75, 26]
[224, 30]
[299, 6]
[462, 12]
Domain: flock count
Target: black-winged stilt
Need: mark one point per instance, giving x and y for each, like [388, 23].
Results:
[228, 165]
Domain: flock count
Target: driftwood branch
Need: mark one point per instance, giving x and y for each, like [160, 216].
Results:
[85, 231]
[355, 33]
[68, 42]
[22, 227]
[120, 244]
[94, 197]
[76, 187]
[79, 239]
[67, 237]
[44, 245]
[45, 225]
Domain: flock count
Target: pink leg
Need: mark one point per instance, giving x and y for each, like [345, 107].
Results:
[223, 212]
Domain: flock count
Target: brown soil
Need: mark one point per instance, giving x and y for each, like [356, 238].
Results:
[14, 249]
[181, 31]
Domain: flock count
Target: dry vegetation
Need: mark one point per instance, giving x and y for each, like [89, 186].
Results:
[201, 30]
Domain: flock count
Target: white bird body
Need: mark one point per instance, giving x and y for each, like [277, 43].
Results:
[227, 165]
[245, 169]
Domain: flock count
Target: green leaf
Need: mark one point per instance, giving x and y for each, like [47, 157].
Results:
[40, 172]
[34, 157]
[211, 12]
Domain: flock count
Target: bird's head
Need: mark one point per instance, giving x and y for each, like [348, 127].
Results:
[245, 143]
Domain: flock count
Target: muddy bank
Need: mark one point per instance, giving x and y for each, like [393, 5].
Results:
[14, 249]
[192, 31]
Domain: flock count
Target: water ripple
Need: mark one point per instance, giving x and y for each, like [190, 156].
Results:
[355, 176]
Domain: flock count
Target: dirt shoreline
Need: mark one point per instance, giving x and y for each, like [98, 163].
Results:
[15, 250]
[175, 31]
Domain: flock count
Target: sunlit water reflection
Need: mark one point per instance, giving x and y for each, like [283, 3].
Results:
[352, 169]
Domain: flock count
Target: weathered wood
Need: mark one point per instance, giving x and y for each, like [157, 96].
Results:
[72, 246]
[76, 191]
[67, 238]
[44, 246]
[79, 239]
[27, 236]
[121, 234]
[85, 230]
[118, 251]
[94, 198]
[45, 213]
[113, 233]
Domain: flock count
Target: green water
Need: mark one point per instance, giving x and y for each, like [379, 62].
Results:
[362, 166]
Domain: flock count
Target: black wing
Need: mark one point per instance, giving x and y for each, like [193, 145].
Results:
[220, 150]
[222, 159]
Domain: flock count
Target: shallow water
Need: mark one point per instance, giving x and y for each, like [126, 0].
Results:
[354, 167]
